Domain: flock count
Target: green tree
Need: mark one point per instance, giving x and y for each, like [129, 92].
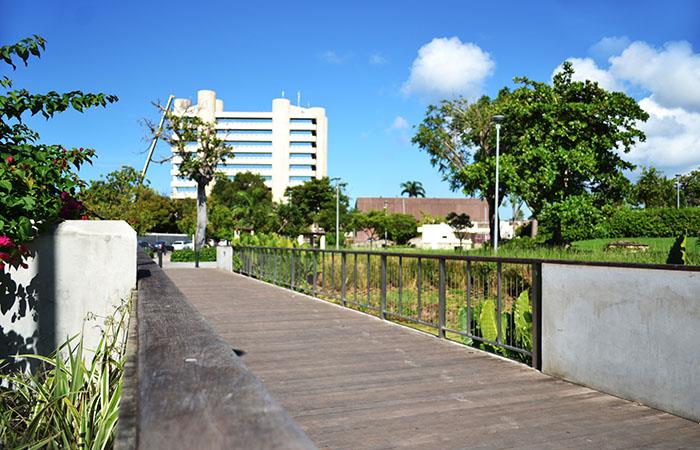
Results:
[567, 138]
[120, 196]
[413, 189]
[38, 182]
[400, 227]
[372, 223]
[690, 188]
[312, 202]
[461, 140]
[460, 224]
[248, 199]
[654, 190]
[200, 150]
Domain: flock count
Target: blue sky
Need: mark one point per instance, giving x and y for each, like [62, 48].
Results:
[374, 66]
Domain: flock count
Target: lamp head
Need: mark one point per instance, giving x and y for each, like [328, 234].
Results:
[498, 118]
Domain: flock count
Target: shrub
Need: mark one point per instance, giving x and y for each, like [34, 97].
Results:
[68, 403]
[652, 222]
[187, 255]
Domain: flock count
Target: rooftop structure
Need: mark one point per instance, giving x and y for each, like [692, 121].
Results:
[476, 209]
[286, 146]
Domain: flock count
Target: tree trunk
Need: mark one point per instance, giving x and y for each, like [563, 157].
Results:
[200, 233]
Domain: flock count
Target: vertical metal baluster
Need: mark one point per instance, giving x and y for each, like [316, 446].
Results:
[382, 306]
[400, 306]
[499, 307]
[536, 299]
[315, 274]
[369, 279]
[442, 300]
[333, 275]
[355, 280]
[293, 264]
[420, 288]
[343, 277]
[469, 298]
[274, 273]
[323, 273]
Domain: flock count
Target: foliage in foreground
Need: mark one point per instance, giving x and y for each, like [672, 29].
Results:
[38, 182]
[68, 403]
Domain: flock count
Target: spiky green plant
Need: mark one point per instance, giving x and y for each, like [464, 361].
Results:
[72, 402]
[523, 321]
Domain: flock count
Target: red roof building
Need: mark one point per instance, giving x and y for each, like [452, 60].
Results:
[476, 209]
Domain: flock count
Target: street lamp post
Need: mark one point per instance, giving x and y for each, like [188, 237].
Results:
[337, 212]
[497, 119]
[678, 191]
[386, 205]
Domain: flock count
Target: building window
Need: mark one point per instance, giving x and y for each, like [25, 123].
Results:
[297, 120]
[299, 178]
[302, 144]
[251, 143]
[302, 156]
[252, 155]
[238, 131]
[302, 133]
[245, 120]
[186, 189]
[301, 167]
[244, 166]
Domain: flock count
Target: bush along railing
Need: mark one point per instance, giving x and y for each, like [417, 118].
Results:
[485, 302]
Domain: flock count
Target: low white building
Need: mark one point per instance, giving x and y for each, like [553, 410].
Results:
[441, 236]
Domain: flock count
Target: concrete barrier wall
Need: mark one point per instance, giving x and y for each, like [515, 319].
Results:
[224, 258]
[81, 271]
[634, 333]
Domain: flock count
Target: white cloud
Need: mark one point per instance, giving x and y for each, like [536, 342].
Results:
[587, 69]
[672, 74]
[331, 57]
[609, 46]
[399, 123]
[673, 139]
[377, 59]
[669, 78]
[447, 67]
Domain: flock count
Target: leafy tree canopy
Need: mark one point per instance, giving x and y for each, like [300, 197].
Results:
[413, 189]
[690, 188]
[120, 196]
[654, 190]
[312, 202]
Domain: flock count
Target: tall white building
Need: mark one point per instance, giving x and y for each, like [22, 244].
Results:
[286, 146]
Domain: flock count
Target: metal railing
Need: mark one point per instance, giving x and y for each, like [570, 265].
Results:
[486, 302]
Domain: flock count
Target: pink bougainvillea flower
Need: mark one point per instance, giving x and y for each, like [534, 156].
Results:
[23, 248]
[5, 241]
[24, 265]
[9, 159]
[5, 256]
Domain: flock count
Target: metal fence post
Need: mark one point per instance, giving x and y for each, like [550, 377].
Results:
[441, 300]
[160, 257]
[315, 275]
[499, 306]
[536, 299]
[292, 280]
[382, 308]
[343, 276]
[274, 271]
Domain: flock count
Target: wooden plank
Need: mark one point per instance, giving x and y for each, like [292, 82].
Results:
[356, 382]
[193, 391]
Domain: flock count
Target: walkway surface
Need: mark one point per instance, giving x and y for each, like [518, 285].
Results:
[355, 382]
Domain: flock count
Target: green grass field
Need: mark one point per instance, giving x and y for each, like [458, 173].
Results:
[588, 250]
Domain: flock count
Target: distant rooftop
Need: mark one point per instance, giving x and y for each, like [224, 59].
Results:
[477, 209]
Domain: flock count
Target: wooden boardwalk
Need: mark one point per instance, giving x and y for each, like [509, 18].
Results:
[355, 382]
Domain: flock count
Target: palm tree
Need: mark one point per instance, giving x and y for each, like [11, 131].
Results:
[413, 189]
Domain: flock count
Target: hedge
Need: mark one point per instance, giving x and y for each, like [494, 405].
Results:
[653, 222]
[187, 255]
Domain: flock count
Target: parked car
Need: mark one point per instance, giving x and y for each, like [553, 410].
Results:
[180, 245]
[145, 245]
[162, 245]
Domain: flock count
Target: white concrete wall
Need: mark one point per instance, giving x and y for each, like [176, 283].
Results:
[634, 333]
[224, 258]
[81, 270]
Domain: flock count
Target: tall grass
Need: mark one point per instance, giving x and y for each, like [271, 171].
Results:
[72, 401]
